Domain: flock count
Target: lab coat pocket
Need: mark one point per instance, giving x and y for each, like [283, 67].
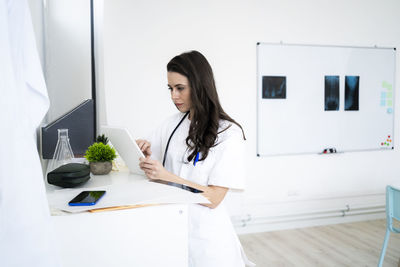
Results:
[198, 173]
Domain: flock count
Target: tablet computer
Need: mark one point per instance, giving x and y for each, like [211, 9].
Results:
[126, 147]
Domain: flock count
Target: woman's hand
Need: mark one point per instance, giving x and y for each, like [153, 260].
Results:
[144, 145]
[154, 170]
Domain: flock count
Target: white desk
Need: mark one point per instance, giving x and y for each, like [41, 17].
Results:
[150, 236]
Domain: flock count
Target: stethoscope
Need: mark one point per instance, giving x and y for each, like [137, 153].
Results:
[170, 137]
[196, 159]
[194, 190]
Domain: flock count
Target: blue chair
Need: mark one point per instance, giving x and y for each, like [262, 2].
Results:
[392, 211]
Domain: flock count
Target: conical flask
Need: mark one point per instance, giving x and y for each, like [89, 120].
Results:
[63, 153]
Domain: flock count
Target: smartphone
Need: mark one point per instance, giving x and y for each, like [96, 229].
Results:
[87, 198]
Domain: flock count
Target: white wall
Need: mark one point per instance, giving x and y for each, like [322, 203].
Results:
[62, 31]
[140, 37]
[67, 54]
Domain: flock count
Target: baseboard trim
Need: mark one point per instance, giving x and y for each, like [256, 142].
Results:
[254, 224]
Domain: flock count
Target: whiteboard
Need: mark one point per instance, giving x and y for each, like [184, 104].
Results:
[311, 98]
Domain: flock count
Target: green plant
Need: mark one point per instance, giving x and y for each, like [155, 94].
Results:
[102, 139]
[100, 152]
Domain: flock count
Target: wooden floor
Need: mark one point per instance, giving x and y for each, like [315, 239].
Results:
[353, 244]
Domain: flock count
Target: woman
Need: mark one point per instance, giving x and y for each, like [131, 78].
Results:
[201, 148]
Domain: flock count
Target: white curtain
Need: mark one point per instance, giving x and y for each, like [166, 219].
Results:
[25, 227]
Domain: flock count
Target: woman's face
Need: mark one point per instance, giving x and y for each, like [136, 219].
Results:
[180, 91]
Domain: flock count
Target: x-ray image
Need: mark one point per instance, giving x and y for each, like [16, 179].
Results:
[273, 87]
[331, 92]
[351, 92]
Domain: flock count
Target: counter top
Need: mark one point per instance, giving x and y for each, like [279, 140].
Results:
[122, 189]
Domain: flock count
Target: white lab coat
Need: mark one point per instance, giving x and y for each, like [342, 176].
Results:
[212, 239]
[26, 238]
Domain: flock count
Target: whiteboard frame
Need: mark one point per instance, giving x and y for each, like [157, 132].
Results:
[259, 96]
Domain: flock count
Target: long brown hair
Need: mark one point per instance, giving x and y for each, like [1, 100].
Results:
[207, 110]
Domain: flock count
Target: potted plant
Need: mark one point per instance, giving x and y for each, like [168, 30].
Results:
[102, 139]
[100, 156]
